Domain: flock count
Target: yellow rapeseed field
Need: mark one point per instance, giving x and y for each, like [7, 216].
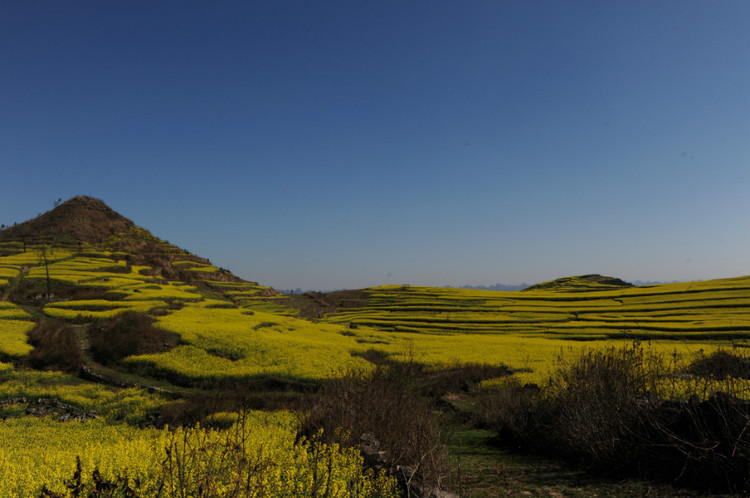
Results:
[259, 452]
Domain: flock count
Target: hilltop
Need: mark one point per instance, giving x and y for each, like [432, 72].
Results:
[80, 219]
[582, 283]
[86, 221]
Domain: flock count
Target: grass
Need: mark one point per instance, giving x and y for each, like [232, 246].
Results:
[481, 468]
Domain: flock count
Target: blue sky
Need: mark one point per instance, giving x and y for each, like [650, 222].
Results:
[343, 144]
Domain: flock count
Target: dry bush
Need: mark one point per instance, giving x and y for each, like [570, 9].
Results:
[33, 291]
[461, 377]
[127, 334]
[598, 397]
[513, 408]
[722, 364]
[609, 410]
[55, 346]
[384, 403]
[252, 394]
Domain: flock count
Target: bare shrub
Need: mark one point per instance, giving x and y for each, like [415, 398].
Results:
[513, 408]
[383, 403]
[127, 334]
[598, 397]
[618, 411]
[56, 346]
[722, 364]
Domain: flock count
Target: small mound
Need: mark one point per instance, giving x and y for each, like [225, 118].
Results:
[581, 283]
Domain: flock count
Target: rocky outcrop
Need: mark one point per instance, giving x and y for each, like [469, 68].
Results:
[52, 407]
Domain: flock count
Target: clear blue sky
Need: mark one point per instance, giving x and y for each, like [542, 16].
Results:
[342, 144]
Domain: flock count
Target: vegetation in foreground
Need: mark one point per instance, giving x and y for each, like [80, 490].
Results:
[258, 455]
[629, 412]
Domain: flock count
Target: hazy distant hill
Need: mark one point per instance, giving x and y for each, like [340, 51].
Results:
[497, 287]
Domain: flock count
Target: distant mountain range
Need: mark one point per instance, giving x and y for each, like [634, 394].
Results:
[641, 282]
[497, 287]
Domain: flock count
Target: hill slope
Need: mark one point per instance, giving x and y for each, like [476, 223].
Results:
[131, 303]
[85, 221]
[80, 219]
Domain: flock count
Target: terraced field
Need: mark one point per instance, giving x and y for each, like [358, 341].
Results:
[90, 287]
[711, 310]
[242, 330]
[528, 330]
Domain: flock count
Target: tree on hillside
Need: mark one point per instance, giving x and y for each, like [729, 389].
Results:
[46, 269]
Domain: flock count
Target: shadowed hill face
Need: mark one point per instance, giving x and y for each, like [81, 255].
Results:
[80, 219]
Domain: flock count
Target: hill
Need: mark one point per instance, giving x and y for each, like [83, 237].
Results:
[80, 219]
[87, 222]
[581, 283]
[584, 308]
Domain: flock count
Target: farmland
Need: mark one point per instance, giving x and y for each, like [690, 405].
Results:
[131, 336]
[670, 311]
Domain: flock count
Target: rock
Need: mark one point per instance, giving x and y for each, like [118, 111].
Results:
[439, 493]
[63, 412]
[409, 477]
[369, 446]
